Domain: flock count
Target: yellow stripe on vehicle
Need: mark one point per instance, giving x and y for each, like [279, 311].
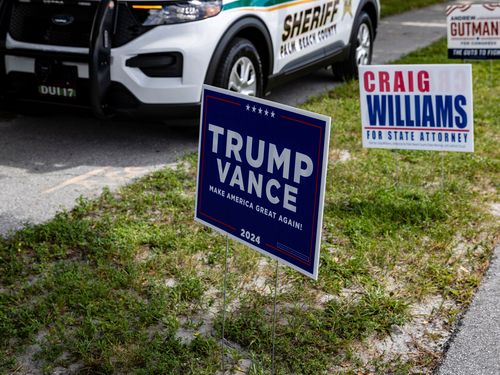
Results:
[147, 7]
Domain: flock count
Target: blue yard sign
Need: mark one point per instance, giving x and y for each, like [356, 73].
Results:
[261, 175]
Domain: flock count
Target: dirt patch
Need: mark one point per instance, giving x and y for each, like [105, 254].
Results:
[182, 165]
[74, 368]
[241, 368]
[427, 333]
[341, 156]
[27, 364]
[201, 324]
[495, 209]
[260, 280]
[352, 294]
[143, 254]
[170, 282]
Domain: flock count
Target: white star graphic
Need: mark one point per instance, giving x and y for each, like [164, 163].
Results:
[266, 112]
[248, 107]
[254, 109]
[260, 111]
[272, 114]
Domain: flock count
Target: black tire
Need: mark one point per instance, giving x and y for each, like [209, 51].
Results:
[348, 69]
[239, 51]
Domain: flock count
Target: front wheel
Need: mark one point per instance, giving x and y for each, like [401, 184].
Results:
[361, 49]
[241, 71]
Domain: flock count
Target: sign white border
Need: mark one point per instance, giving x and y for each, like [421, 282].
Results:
[323, 175]
[435, 70]
[471, 46]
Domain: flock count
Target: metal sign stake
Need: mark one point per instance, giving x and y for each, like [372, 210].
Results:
[491, 73]
[273, 370]
[442, 170]
[396, 176]
[224, 301]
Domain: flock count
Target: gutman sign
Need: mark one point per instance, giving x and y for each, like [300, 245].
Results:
[417, 107]
[261, 175]
[474, 31]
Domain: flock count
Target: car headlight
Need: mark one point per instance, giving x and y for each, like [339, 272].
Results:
[165, 13]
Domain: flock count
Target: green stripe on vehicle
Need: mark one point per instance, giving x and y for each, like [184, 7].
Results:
[254, 3]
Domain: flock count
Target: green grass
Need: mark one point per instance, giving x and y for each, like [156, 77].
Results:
[390, 7]
[128, 283]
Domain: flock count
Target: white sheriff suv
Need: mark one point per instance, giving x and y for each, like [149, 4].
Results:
[150, 58]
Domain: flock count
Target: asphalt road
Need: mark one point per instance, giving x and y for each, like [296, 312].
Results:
[47, 162]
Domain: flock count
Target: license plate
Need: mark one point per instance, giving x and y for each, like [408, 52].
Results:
[55, 80]
[57, 91]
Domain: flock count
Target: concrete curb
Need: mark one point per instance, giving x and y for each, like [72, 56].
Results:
[475, 345]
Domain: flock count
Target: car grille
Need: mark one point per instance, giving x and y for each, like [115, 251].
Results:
[33, 22]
